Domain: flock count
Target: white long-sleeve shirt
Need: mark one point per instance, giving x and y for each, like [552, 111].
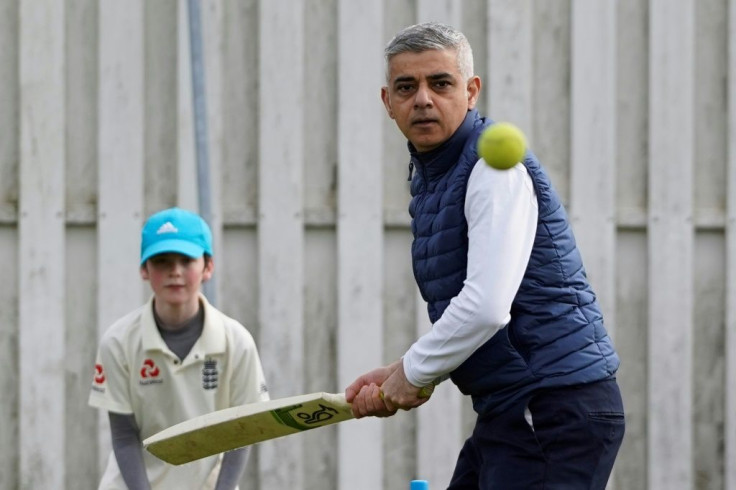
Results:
[501, 211]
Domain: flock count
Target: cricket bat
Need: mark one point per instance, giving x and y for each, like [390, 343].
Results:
[236, 427]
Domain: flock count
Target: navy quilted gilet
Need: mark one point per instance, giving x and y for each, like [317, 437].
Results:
[556, 335]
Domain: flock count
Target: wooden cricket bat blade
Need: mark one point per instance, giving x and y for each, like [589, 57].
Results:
[236, 427]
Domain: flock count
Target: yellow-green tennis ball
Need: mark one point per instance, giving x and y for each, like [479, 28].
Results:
[502, 145]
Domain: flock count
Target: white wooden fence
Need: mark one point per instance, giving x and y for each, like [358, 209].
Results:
[630, 104]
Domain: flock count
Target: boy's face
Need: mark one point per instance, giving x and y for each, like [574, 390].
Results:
[428, 97]
[176, 279]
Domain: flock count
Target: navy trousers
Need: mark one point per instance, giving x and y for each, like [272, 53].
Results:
[571, 444]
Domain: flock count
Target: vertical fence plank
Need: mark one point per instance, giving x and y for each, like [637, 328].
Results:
[9, 101]
[320, 372]
[81, 99]
[320, 109]
[708, 398]
[360, 230]
[445, 11]
[213, 20]
[551, 134]
[80, 209]
[159, 104]
[400, 434]
[239, 194]
[440, 431]
[280, 224]
[473, 20]
[81, 308]
[160, 108]
[631, 345]
[41, 245]
[186, 144]
[240, 301]
[632, 76]
[510, 62]
[593, 165]
[730, 386]
[121, 156]
[710, 71]
[9, 355]
[632, 54]
[320, 200]
[121, 134]
[671, 245]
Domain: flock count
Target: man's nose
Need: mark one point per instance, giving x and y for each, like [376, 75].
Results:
[423, 97]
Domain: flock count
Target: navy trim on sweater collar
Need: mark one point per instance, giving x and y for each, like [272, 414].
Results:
[436, 162]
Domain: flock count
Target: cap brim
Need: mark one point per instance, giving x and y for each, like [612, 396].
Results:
[173, 246]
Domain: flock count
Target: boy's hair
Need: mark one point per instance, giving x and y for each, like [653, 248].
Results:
[431, 35]
[175, 230]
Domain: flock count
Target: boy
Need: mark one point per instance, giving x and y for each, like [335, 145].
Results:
[174, 358]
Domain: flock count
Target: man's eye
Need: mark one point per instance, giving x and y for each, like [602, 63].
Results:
[403, 88]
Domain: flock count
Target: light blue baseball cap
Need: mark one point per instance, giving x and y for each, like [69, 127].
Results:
[175, 230]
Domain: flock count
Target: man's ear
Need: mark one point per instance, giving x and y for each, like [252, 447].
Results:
[473, 88]
[144, 272]
[387, 102]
